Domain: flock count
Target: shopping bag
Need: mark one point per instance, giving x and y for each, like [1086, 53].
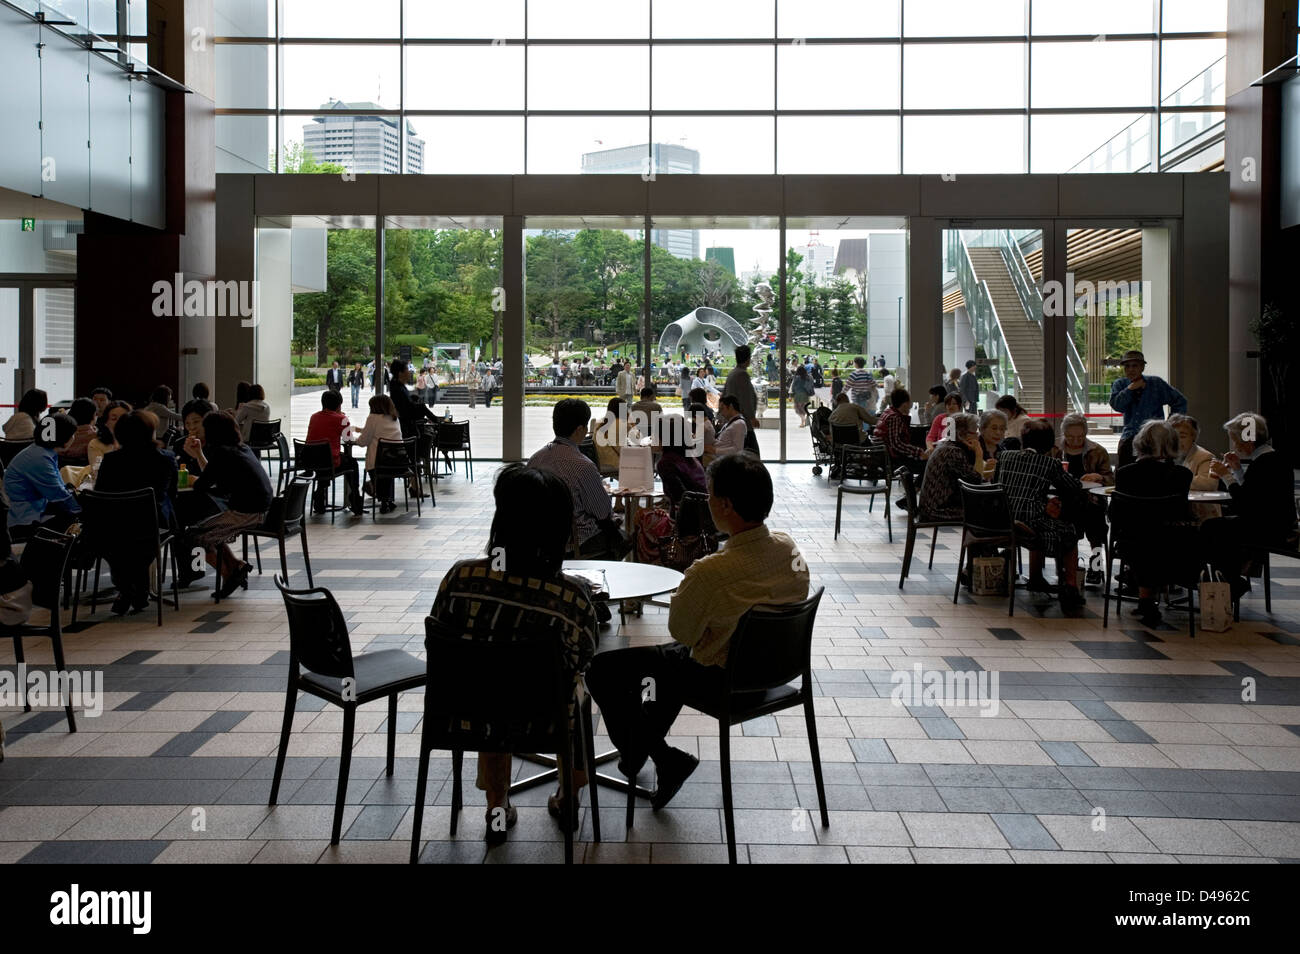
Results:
[1215, 594]
[636, 469]
[989, 576]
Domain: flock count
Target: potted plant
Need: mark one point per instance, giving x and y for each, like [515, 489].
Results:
[1277, 338]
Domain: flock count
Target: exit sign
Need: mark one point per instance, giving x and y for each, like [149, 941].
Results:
[29, 225]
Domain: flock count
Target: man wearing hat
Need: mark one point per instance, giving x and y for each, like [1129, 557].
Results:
[1141, 398]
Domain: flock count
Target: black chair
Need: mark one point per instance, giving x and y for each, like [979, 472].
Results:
[397, 460]
[869, 466]
[588, 449]
[321, 664]
[453, 438]
[264, 439]
[988, 522]
[44, 562]
[501, 696]
[115, 521]
[914, 523]
[286, 517]
[172, 435]
[1290, 549]
[11, 449]
[842, 436]
[317, 460]
[1134, 519]
[771, 647]
[287, 463]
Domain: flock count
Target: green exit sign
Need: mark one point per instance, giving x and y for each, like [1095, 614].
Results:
[29, 225]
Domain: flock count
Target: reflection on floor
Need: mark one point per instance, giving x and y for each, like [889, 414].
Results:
[1119, 744]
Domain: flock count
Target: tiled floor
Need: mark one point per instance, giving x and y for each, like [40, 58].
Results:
[1120, 744]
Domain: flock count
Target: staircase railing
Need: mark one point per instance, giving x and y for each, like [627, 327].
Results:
[984, 317]
[1031, 300]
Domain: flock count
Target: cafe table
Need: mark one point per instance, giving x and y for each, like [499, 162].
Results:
[620, 581]
[1193, 496]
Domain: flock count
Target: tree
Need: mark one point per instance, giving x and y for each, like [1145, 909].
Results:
[337, 318]
[554, 289]
[299, 159]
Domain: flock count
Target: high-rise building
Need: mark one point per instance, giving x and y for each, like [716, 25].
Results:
[818, 263]
[362, 144]
[723, 255]
[651, 160]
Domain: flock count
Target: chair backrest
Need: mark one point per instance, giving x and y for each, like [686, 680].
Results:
[318, 634]
[264, 433]
[44, 561]
[588, 448]
[846, 435]
[314, 456]
[394, 457]
[866, 462]
[172, 435]
[10, 449]
[904, 477]
[452, 435]
[1133, 516]
[289, 508]
[986, 508]
[282, 445]
[110, 520]
[772, 645]
[519, 689]
[693, 516]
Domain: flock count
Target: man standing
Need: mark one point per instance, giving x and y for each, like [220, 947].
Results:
[969, 389]
[356, 378]
[489, 385]
[1141, 398]
[862, 385]
[625, 383]
[754, 566]
[739, 386]
[334, 378]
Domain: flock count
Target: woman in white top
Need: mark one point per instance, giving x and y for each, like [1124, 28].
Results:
[381, 425]
[254, 409]
[1196, 459]
[1017, 418]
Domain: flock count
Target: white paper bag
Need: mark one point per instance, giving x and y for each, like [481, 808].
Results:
[989, 576]
[636, 469]
[1216, 603]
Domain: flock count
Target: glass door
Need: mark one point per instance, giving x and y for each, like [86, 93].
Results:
[37, 332]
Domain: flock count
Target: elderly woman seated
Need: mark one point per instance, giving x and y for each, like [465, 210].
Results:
[533, 600]
[1157, 540]
[1090, 462]
[993, 429]
[1028, 475]
[957, 458]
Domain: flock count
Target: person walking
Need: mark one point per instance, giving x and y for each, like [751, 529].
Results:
[489, 385]
[1140, 398]
[356, 378]
[862, 385]
[334, 377]
[969, 388]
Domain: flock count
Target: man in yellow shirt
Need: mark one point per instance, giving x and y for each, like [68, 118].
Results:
[641, 690]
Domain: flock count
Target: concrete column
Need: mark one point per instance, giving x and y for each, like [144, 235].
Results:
[923, 335]
[274, 332]
[1155, 319]
[512, 339]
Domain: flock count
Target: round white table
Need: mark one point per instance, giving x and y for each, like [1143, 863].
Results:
[628, 581]
[1193, 496]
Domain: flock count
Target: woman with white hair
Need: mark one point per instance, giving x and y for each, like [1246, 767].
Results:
[1090, 462]
[1157, 542]
[1191, 454]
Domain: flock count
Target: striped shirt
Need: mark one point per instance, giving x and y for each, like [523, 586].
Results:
[754, 566]
[861, 379]
[562, 458]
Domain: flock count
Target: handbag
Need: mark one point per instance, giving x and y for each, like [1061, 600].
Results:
[654, 529]
[988, 576]
[1215, 594]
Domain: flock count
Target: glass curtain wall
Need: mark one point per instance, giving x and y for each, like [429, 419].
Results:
[732, 86]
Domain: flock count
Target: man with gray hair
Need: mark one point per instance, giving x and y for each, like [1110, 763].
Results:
[1263, 500]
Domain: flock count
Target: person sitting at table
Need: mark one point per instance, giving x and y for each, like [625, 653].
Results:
[645, 412]
[82, 413]
[700, 396]
[31, 407]
[938, 425]
[703, 435]
[254, 408]
[1090, 462]
[755, 565]
[104, 441]
[1017, 418]
[934, 405]
[731, 428]
[38, 497]
[1028, 475]
[676, 467]
[160, 406]
[993, 428]
[1158, 542]
[1263, 500]
[610, 435]
[102, 398]
[381, 425]
[235, 479]
[519, 591]
[598, 533]
[848, 414]
[192, 416]
[1198, 460]
[328, 426]
[894, 429]
[411, 415]
[959, 457]
[137, 464]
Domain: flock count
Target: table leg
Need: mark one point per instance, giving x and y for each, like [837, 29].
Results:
[551, 773]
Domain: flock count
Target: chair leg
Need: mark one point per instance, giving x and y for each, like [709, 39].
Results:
[961, 563]
[158, 562]
[1105, 599]
[728, 812]
[889, 524]
[284, 560]
[176, 578]
[907, 552]
[457, 758]
[76, 592]
[934, 538]
[286, 727]
[564, 762]
[57, 641]
[839, 504]
[421, 788]
[813, 750]
[94, 594]
[19, 658]
[306, 557]
[345, 765]
[392, 732]
[1268, 589]
[1011, 581]
[257, 552]
[589, 762]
